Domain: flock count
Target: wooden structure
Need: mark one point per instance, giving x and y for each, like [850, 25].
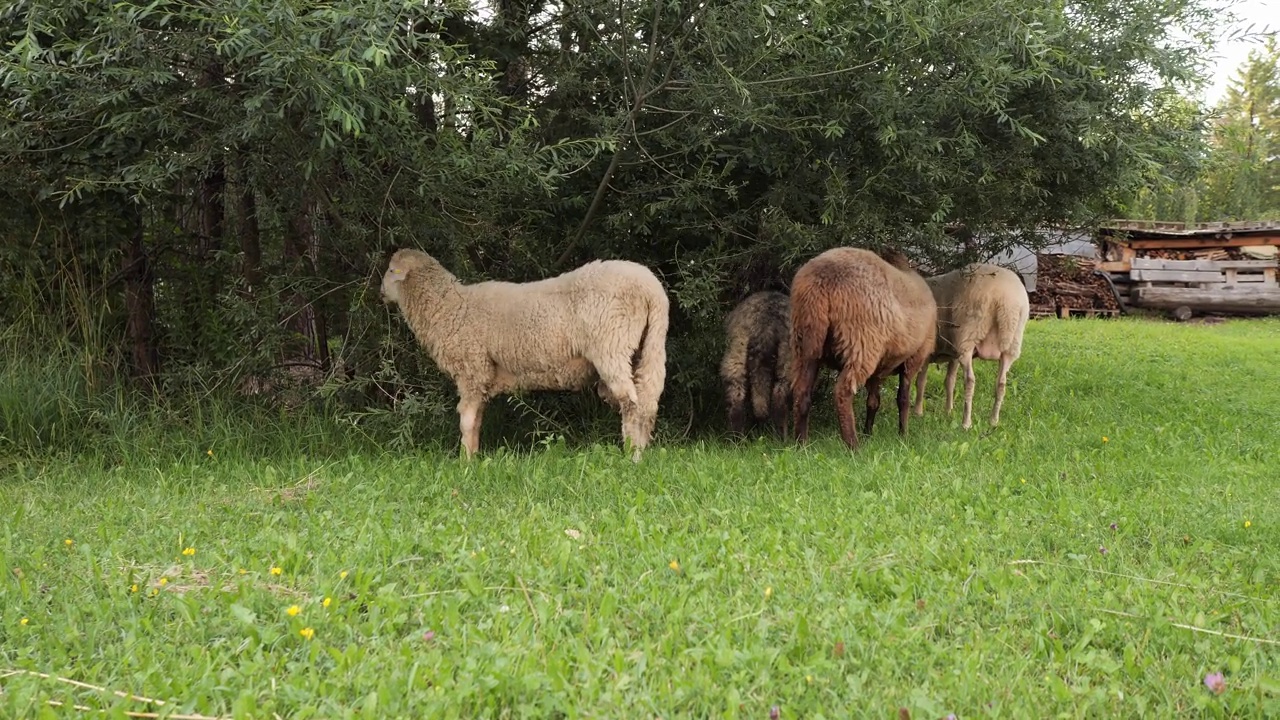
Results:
[1207, 267]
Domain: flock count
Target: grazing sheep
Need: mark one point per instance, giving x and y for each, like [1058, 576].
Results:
[982, 310]
[605, 322]
[866, 315]
[757, 360]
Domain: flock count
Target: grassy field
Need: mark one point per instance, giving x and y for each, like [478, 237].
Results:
[1111, 544]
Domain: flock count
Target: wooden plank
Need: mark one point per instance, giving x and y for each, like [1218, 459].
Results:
[1114, 266]
[1184, 243]
[1214, 265]
[1181, 228]
[1187, 276]
[1251, 299]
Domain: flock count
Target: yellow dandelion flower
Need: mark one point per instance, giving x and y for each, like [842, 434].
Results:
[768, 593]
[133, 587]
[154, 592]
[243, 571]
[276, 570]
[23, 621]
[674, 565]
[325, 602]
[342, 575]
[1105, 439]
[164, 581]
[68, 542]
[209, 452]
[1247, 523]
[293, 610]
[808, 678]
[1024, 481]
[307, 633]
[189, 552]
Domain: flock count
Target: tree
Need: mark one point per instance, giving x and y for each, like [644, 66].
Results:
[720, 143]
[1235, 174]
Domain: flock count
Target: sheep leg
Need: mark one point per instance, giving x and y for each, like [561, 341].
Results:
[470, 413]
[761, 381]
[1005, 361]
[966, 359]
[904, 398]
[806, 374]
[952, 366]
[922, 377]
[778, 406]
[617, 376]
[846, 387]
[873, 403]
[735, 394]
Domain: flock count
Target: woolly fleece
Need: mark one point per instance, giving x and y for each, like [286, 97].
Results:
[756, 365]
[982, 310]
[869, 318]
[560, 333]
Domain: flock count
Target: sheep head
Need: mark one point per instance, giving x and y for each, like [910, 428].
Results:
[894, 257]
[402, 263]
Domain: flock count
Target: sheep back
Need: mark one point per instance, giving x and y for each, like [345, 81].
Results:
[982, 307]
[852, 304]
[757, 353]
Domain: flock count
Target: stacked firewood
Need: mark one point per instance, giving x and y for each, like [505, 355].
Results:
[1214, 254]
[1069, 281]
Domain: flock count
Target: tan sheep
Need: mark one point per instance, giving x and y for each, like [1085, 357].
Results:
[605, 322]
[756, 365]
[869, 317]
[982, 310]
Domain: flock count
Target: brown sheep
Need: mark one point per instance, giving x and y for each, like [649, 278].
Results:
[757, 360]
[867, 316]
[605, 322]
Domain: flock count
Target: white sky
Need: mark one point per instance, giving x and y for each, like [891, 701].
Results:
[1265, 16]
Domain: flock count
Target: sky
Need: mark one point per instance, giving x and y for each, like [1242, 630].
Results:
[1265, 15]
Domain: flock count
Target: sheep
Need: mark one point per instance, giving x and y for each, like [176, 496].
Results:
[867, 316]
[982, 310]
[757, 360]
[605, 322]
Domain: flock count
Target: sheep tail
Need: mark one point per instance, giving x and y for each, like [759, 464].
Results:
[1009, 322]
[809, 323]
[651, 367]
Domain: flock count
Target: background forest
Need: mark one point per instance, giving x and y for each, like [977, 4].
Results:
[200, 197]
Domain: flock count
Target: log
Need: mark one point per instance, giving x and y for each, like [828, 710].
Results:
[1238, 299]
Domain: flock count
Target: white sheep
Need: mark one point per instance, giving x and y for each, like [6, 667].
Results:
[605, 322]
[982, 310]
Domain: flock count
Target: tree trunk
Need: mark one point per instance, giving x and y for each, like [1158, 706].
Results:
[212, 210]
[140, 303]
[250, 236]
[302, 254]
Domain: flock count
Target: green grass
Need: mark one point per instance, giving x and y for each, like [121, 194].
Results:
[951, 572]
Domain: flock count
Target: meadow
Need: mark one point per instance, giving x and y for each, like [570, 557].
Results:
[1110, 550]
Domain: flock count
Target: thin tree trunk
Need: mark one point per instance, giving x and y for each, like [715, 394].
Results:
[212, 210]
[250, 235]
[301, 252]
[140, 303]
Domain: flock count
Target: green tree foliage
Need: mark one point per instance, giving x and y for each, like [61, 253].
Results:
[1237, 173]
[229, 176]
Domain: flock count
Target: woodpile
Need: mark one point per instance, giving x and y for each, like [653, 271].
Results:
[1068, 282]
[1198, 268]
[1210, 254]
